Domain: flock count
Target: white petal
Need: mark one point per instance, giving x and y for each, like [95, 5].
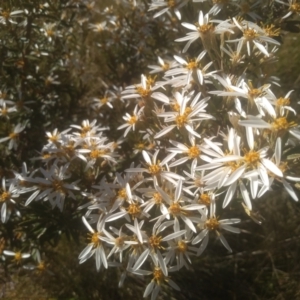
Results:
[235, 175]
[178, 190]
[229, 194]
[155, 292]
[250, 139]
[160, 97]
[9, 253]
[32, 197]
[189, 26]
[141, 259]
[261, 48]
[245, 195]
[3, 212]
[230, 221]
[194, 207]
[179, 162]
[254, 186]
[88, 226]
[103, 258]
[180, 60]
[164, 131]
[213, 146]
[115, 216]
[224, 242]
[146, 157]
[200, 237]
[203, 245]
[162, 264]
[263, 175]
[278, 151]
[272, 167]
[290, 190]
[98, 258]
[174, 235]
[138, 231]
[257, 123]
[173, 284]
[295, 179]
[149, 288]
[231, 228]
[226, 158]
[189, 223]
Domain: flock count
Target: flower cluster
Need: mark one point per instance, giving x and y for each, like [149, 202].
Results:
[203, 132]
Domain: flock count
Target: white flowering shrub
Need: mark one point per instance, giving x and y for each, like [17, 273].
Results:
[151, 157]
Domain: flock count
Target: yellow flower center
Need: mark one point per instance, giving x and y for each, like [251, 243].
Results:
[157, 198]
[143, 92]
[132, 120]
[53, 138]
[182, 119]
[204, 199]
[295, 8]
[134, 210]
[283, 101]
[252, 158]
[4, 196]
[59, 186]
[18, 257]
[283, 167]
[271, 30]
[158, 275]
[96, 153]
[119, 242]
[250, 34]
[165, 66]
[41, 266]
[254, 93]
[150, 81]
[95, 239]
[4, 111]
[5, 14]
[193, 152]
[122, 193]
[50, 32]
[175, 107]
[155, 241]
[46, 155]
[192, 64]
[212, 224]
[175, 209]
[282, 124]
[103, 100]
[181, 246]
[154, 169]
[233, 165]
[171, 3]
[205, 28]
[13, 135]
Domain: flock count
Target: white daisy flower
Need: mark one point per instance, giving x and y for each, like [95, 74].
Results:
[185, 116]
[252, 35]
[156, 168]
[205, 30]
[211, 223]
[95, 247]
[131, 120]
